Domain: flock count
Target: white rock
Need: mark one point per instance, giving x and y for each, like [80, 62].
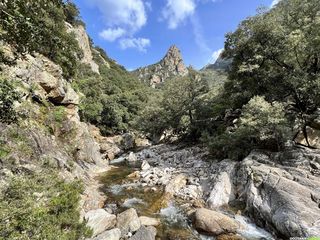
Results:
[100, 220]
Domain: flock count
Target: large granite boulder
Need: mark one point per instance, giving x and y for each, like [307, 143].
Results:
[100, 220]
[214, 223]
[128, 221]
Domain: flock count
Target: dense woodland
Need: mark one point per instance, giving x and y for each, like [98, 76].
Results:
[270, 93]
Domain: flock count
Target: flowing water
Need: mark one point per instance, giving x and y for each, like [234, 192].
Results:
[124, 193]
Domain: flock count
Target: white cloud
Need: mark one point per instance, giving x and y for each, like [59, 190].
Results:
[112, 34]
[177, 11]
[139, 43]
[129, 14]
[198, 34]
[215, 55]
[275, 2]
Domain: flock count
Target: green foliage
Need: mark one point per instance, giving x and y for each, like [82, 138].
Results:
[113, 98]
[276, 54]
[262, 125]
[59, 114]
[175, 109]
[37, 25]
[8, 96]
[41, 206]
[72, 14]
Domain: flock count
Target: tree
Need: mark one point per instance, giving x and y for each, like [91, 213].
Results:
[276, 54]
[179, 98]
[261, 125]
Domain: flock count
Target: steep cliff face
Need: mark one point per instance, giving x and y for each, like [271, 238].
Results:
[171, 65]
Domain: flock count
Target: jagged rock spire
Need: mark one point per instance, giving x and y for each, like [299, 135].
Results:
[171, 65]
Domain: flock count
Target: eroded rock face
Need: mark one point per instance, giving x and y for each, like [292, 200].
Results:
[44, 78]
[285, 197]
[214, 223]
[171, 65]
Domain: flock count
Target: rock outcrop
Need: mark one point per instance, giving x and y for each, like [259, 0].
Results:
[171, 65]
[84, 44]
[282, 191]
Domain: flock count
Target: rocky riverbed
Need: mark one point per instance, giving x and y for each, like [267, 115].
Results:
[179, 192]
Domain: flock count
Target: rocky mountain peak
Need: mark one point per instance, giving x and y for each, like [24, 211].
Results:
[171, 65]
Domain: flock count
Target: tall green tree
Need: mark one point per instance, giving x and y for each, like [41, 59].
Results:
[276, 54]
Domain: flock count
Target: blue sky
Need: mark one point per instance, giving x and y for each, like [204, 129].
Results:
[138, 32]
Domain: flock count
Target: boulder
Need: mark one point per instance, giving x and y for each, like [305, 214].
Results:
[113, 234]
[128, 221]
[148, 221]
[145, 233]
[131, 158]
[214, 223]
[222, 190]
[100, 220]
[229, 237]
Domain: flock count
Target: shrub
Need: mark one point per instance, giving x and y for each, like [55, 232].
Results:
[8, 96]
[41, 206]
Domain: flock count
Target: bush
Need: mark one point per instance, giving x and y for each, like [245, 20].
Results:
[41, 206]
[8, 96]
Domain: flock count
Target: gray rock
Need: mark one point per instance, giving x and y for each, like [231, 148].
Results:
[128, 221]
[223, 190]
[100, 220]
[145, 233]
[280, 197]
[113, 234]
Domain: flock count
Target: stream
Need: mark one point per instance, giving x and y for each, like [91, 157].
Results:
[123, 192]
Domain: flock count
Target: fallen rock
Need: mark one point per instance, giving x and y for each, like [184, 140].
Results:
[113, 234]
[147, 221]
[145, 165]
[100, 220]
[145, 233]
[128, 221]
[132, 158]
[214, 223]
